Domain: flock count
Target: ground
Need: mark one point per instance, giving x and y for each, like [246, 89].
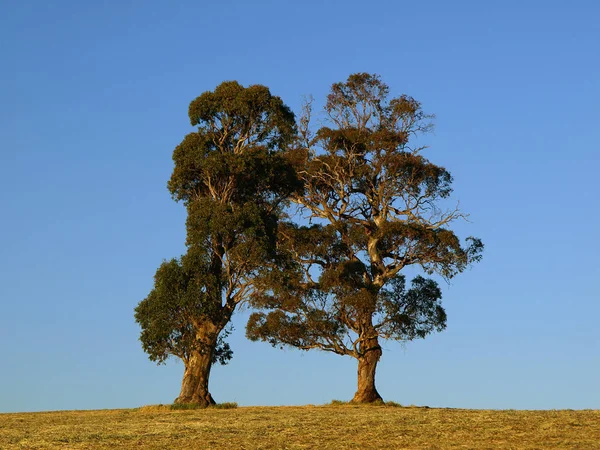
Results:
[302, 427]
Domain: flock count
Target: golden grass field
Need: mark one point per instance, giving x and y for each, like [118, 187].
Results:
[302, 427]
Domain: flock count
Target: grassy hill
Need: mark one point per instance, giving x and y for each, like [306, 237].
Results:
[303, 427]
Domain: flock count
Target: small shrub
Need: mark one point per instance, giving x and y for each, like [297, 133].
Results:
[377, 403]
[226, 405]
[187, 406]
[393, 404]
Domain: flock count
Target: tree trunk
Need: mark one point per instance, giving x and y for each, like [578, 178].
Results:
[194, 387]
[367, 364]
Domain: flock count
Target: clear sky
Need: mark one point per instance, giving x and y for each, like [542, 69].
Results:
[94, 98]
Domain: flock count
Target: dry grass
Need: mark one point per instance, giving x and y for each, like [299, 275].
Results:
[322, 427]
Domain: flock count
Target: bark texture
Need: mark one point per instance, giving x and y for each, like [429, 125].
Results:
[194, 387]
[367, 364]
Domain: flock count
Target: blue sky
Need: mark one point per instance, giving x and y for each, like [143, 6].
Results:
[93, 100]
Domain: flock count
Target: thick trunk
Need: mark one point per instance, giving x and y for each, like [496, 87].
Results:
[367, 364]
[194, 387]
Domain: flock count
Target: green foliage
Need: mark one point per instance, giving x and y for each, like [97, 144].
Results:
[412, 313]
[232, 157]
[376, 205]
[164, 316]
[234, 182]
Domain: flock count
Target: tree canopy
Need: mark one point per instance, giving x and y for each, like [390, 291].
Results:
[234, 182]
[376, 207]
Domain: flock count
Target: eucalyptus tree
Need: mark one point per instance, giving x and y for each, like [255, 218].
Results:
[377, 207]
[234, 182]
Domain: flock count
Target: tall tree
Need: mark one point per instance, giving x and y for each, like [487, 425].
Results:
[234, 182]
[375, 203]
